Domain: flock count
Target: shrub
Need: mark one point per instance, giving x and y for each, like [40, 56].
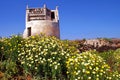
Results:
[8, 55]
[9, 48]
[45, 56]
[112, 58]
[9, 68]
[116, 58]
[115, 75]
[87, 66]
[108, 57]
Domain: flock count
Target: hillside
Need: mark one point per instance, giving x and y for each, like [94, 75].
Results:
[48, 58]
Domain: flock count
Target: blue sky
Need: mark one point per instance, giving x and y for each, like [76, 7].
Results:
[78, 18]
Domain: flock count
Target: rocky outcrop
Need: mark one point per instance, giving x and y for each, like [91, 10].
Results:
[98, 44]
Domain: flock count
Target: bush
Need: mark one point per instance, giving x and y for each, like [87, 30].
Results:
[87, 66]
[8, 55]
[45, 56]
[9, 48]
[9, 68]
[112, 58]
[117, 60]
[115, 75]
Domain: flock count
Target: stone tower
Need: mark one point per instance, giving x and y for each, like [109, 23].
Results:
[42, 20]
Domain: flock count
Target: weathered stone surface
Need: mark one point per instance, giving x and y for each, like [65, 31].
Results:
[43, 26]
[42, 20]
[96, 42]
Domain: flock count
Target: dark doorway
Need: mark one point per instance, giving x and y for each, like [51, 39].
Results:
[52, 15]
[29, 31]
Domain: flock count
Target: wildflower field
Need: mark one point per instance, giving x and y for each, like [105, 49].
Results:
[48, 58]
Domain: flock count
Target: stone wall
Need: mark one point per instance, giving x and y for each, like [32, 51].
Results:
[42, 20]
[46, 27]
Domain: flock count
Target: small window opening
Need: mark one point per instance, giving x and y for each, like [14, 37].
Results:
[52, 15]
[29, 31]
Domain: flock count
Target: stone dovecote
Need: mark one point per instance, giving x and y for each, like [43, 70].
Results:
[42, 20]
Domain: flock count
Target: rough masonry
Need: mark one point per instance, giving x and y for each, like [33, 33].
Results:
[42, 20]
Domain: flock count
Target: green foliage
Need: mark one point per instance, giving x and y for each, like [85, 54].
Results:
[8, 55]
[9, 48]
[87, 66]
[116, 58]
[45, 56]
[115, 75]
[112, 58]
[48, 58]
[108, 57]
[9, 68]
